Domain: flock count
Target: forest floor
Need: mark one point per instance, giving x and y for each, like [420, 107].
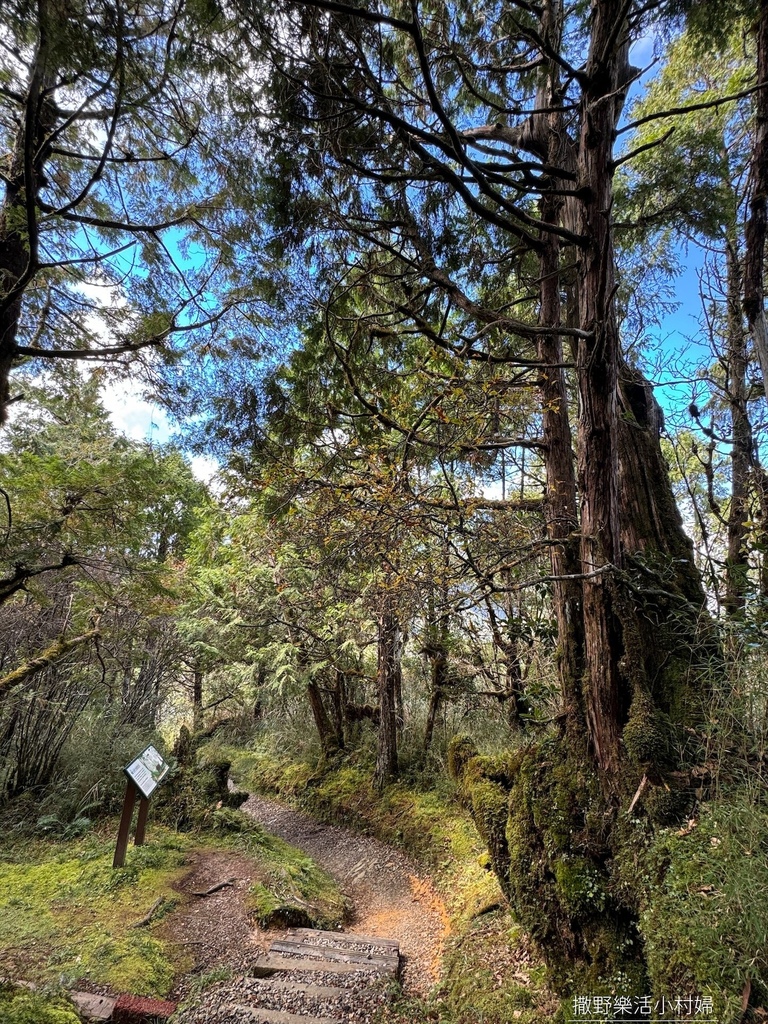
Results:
[186, 917]
[215, 931]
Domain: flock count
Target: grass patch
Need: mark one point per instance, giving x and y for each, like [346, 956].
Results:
[19, 1006]
[705, 922]
[291, 887]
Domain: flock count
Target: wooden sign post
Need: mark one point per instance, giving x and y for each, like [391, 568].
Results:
[143, 775]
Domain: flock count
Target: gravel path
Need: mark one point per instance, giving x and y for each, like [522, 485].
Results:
[390, 898]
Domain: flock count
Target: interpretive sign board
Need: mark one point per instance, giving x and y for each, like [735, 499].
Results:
[147, 770]
[144, 774]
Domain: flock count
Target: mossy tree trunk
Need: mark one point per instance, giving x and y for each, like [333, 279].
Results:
[634, 637]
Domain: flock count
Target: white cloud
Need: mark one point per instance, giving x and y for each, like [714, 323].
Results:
[133, 415]
[141, 420]
[204, 468]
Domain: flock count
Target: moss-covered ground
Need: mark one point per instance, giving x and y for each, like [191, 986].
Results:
[490, 972]
[67, 918]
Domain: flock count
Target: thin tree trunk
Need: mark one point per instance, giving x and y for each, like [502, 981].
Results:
[388, 676]
[339, 699]
[323, 724]
[435, 700]
[197, 699]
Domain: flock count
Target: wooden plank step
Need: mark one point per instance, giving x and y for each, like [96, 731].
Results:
[304, 988]
[267, 965]
[329, 953]
[259, 1016]
[342, 937]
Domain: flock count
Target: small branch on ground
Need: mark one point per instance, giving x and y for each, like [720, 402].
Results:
[148, 917]
[214, 888]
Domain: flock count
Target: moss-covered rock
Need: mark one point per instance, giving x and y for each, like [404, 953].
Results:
[196, 788]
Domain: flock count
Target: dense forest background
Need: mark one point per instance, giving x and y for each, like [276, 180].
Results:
[401, 271]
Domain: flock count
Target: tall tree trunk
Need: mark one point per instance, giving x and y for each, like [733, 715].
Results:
[561, 517]
[18, 215]
[598, 354]
[560, 509]
[737, 561]
[754, 240]
[388, 681]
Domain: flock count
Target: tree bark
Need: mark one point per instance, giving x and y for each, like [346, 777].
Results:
[754, 240]
[737, 561]
[18, 216]
[197, 699]
[323, 723]
[388, 681]
[560, 509]
[597, 362]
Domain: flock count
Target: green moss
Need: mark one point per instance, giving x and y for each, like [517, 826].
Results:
[196, 788]
[705, 919]
[580, 886]
[461, 750]
[648, 734]
[489, 803]
[68, 916]
[295, 891]
[20, 1006]
[555, 862]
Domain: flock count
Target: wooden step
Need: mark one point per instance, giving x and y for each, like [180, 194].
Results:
[259, 1016]
[304, 988]
[267, 965]
[329, 953]
[309, 933]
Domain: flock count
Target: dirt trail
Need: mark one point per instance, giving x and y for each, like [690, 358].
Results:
[214, 931]
[390, 898]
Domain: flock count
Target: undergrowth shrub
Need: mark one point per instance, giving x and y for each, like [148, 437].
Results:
[88, 782]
